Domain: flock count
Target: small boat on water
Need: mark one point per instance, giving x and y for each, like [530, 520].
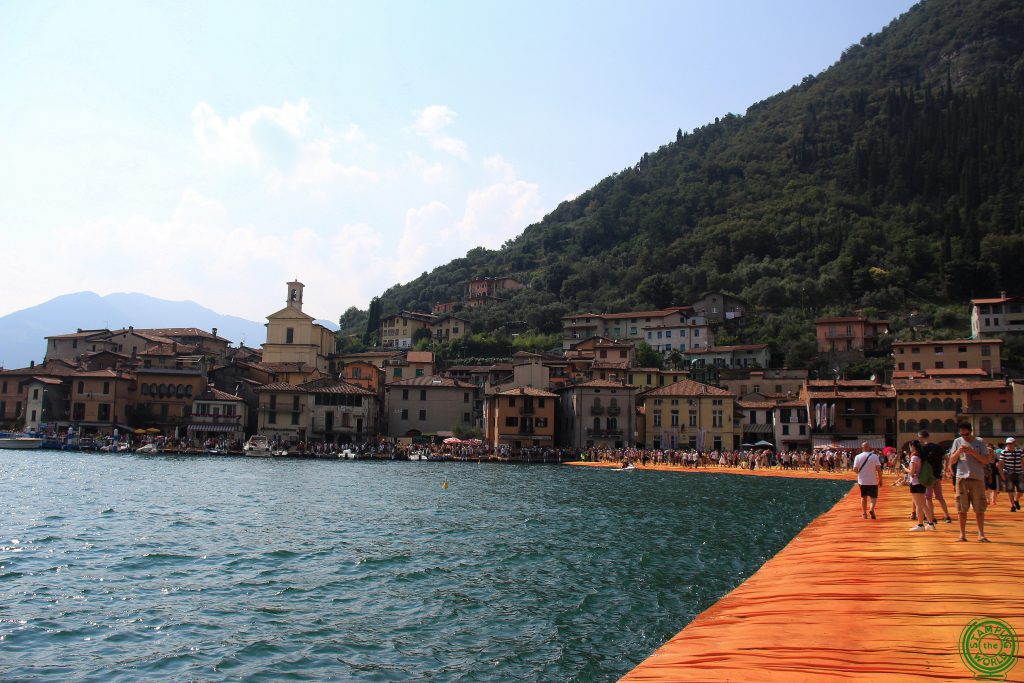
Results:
[22, 443]
[257, 446]
[148, 448]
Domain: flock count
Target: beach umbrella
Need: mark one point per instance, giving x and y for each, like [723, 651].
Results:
[138, 431]
[452, 440]
[474, 442]
[152, 430]
[767, 444]
[888, 450]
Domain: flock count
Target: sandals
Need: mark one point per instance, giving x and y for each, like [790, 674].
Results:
[983, 540]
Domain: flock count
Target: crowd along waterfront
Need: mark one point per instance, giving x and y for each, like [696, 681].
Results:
[125, 567]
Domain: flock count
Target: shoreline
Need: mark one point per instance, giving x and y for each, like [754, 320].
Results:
[845, 475]
[850, 598]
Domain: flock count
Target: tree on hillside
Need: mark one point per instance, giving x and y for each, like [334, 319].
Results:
[646, 357]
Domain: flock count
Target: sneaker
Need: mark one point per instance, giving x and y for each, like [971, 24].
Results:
[873, 514]
[930, 526]
[919, 527]
[947, 520]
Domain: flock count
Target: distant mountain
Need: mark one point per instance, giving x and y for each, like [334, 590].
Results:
[891, 182]
[22, 333]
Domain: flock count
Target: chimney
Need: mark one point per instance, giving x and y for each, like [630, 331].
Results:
[31, 363]
[214, 331]
[131, 328]
[1002, 294]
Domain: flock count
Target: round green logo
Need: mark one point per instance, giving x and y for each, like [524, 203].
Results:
[988, 647]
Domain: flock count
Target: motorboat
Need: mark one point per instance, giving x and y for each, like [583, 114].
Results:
[257, 446]
[147, 448]
[21, 443]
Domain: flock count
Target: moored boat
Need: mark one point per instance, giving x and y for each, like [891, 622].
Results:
[257, 446]
[21, 442]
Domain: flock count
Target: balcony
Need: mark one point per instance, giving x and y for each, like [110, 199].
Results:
[614, 410]
[216, 419]
[604, 433]
[597, 410]
[527, 410]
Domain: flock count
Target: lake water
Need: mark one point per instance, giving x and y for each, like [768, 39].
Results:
[127, 568]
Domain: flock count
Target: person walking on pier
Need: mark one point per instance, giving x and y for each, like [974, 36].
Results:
[968, 456]
[932, 453]
[869, 475]
[1012, 471]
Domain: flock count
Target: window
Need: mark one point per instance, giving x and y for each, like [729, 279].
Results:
[511, 402]
[405, 413]
[657, 419]
[273, 401]
[511, 421]
[272, 417]
[106, 387]
[785, 430]
[405, 394]
[295, 418]
[419, 372]
[289, 335]
[295, 402]
[465, 397]
[423, 394]
[81, 387]
[693, 418]
[717, 418]
[674, 416]
[35, 394]
[465, 418]
[986, 350]
[423, 414]
[939, 365]
[397, 372]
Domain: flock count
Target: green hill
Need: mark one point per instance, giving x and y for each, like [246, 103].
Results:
[891, 181]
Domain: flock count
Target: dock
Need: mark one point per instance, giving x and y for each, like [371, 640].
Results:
[853, 599]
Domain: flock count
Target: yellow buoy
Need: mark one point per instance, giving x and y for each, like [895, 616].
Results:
[445, 485]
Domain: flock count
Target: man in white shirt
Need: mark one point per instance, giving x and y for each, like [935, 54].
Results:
[869, 475]
[968, 456]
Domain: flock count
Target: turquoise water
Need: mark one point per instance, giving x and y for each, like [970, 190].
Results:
[127, 568]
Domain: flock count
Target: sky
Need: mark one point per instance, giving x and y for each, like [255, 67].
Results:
[213, 151]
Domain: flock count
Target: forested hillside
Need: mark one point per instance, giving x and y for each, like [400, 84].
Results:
[891, 181]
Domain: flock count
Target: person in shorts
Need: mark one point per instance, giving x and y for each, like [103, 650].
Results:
[968, 456]
[869, 475]
[1013, 473]
[932, 453]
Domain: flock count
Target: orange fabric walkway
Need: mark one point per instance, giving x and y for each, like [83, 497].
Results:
[855, 599]
[715, 469]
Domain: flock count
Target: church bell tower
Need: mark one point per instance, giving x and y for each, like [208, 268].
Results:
[295, 295]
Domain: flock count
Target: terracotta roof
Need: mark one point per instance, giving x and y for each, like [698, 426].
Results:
[850, 319]
[598, 384]
[182, 332]
[334, 386]
[47, 380]
[756, 404]
[954, 372]
[432, 381]
[107, 373]
[215, 394]
[947, 342]
[469, 368]
[634, 314]
[879, 392]
[527, 391]
[78, 335]
[420, 357]
[728, 349]
[1001, 300]
[687, 387]
[951, 384]
[842, 383]
[280, 386]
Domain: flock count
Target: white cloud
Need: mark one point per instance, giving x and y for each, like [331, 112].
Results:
[197, 253]
[430, 124]
[283, 144]
[492, 215]
[431, 174]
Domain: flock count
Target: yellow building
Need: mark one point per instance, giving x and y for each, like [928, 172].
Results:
[295, 337]
[688, 414]
[950, 354]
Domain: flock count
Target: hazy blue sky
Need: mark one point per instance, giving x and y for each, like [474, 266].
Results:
[214, 150]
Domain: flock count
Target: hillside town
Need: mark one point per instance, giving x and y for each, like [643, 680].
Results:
[191, 389]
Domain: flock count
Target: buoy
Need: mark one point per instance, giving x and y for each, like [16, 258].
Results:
[445, 485]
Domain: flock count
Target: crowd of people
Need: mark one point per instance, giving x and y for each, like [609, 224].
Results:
[977, 473]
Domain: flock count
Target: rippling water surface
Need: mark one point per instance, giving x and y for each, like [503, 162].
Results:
[127, 568]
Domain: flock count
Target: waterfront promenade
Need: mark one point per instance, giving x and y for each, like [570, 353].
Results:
[854, 599]
[848, 475]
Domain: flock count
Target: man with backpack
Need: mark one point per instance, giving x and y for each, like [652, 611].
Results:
[934, 456]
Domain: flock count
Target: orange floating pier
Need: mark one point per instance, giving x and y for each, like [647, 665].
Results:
[855, 599]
